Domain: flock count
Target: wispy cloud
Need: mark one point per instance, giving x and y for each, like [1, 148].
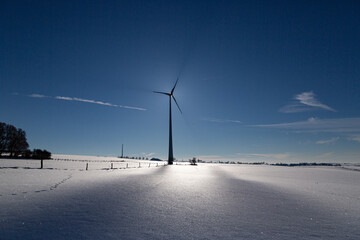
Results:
[284, 157]
[64, 98]
[354, 137]
[319, 125]
[325, 155]
[305, 101]
[247, 157]
[148, 154]
[209, 156]
[220, 120]
[215, 158]
[135, 108]
[77, 99]
[308, 98]
[327, 141]
[295, 108]
[85, 100]
[265, 155]
[35, 95]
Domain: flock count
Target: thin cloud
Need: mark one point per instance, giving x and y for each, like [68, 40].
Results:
[135, 108]
[247, 157]
[215, 158]
[305, 101]
[148, 154]
[308, 98]
[355, 137]
[220, 120]
[64, 98]
[85, 100]
[265, 155]
[295, 108]
[327, 141]
[209, 156]
[318, 125]
[35, 95]
[325, 155]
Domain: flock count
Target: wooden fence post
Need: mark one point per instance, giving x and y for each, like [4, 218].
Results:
[111, 165]
[87, 165]
[42, 164]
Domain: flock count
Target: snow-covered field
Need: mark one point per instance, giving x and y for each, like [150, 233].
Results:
[208, 201]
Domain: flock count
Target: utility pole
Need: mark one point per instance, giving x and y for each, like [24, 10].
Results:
[122, 150]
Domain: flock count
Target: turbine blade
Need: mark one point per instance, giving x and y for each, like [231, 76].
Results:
[177, 104]
[174, 86]
[168, 94]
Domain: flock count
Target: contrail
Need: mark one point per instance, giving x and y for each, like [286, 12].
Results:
[77, 99]
[221, 120]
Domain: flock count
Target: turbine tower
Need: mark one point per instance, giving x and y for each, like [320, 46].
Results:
[171, 95]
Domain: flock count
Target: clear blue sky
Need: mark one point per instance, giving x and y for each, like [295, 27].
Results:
[259, 80]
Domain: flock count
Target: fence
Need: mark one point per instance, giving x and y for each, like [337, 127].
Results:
[108, 165]
[72, 164]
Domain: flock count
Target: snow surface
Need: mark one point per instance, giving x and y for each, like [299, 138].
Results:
[208, 201]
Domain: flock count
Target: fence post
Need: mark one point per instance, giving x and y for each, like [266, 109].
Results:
[87, 165]
[127, 165]
[139, 164]
[111, 165]
[42, 164]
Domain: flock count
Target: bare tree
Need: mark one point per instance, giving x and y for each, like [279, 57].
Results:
[12, 140]
[41, 154]
[192, 161]
[21, 144]
[2, 138]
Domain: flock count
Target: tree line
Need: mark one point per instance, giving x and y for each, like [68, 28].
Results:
[13, 143]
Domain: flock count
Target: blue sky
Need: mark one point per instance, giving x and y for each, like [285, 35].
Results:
[274, 81]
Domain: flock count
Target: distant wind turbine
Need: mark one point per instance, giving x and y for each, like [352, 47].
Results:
[171, 95]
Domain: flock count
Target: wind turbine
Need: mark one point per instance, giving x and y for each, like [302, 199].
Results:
[171, 95]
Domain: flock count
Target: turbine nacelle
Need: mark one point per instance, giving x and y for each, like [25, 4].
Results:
[171, 95]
